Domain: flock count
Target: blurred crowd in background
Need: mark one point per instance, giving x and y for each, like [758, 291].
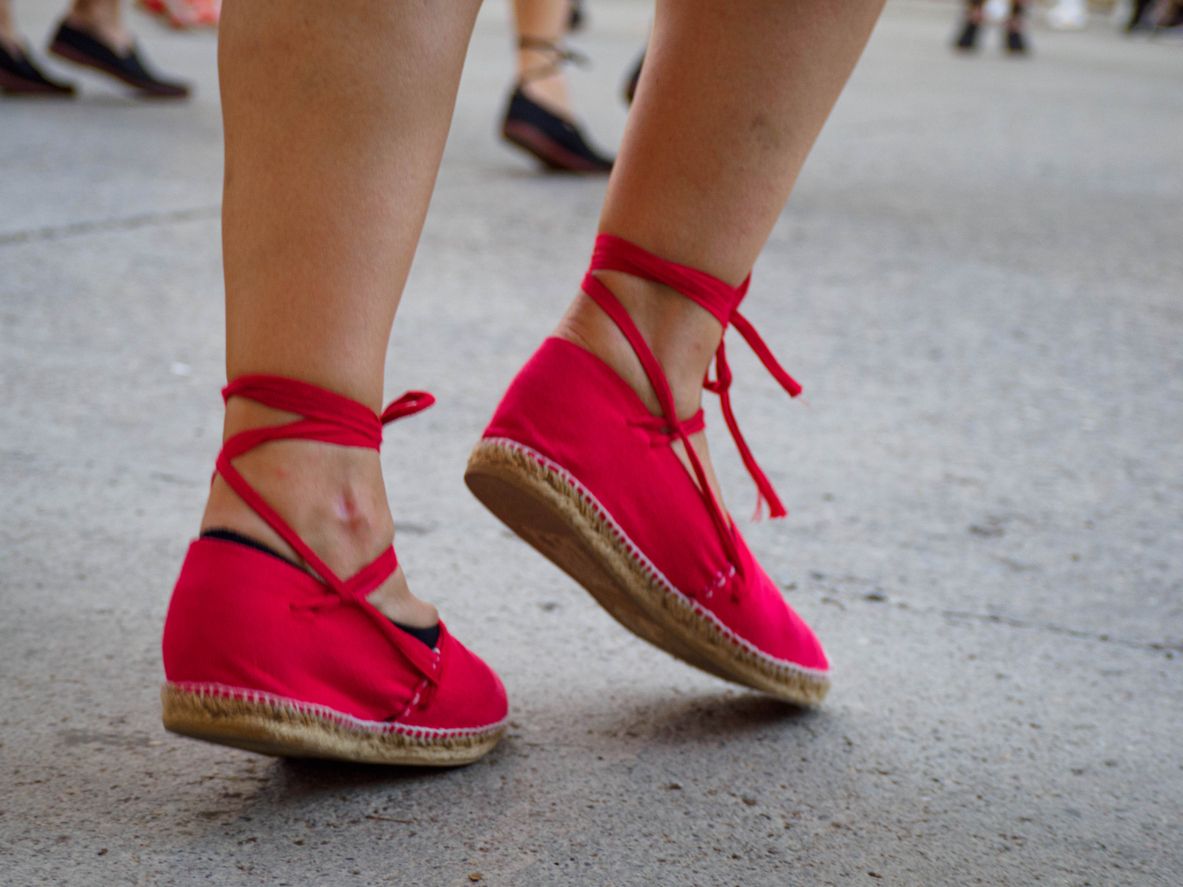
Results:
[539, 117]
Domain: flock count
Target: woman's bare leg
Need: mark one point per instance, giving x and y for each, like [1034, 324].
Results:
[102, 18]
[314, 271]
[329, 170]
[538, 70]
[709, 197]
[9, 36]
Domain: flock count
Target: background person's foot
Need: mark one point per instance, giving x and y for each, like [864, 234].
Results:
[967, 40]
[123, 63]
[19, 76]
[578, 19]
[1170, 24]
[182, 14]
[1016, 43]
[555, 140]
[633, 80]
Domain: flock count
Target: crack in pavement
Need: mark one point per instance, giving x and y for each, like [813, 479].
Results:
[1051, 628]
[877, 596]
[127, 223]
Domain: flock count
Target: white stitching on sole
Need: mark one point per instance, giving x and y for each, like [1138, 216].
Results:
[244, 694]
[642, 560]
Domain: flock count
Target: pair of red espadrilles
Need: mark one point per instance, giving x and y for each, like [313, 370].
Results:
[272, 657]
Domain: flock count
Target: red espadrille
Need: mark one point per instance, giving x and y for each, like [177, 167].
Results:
[266, 656]
[576, 465]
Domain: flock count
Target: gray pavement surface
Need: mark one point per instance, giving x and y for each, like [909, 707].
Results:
[979, 281]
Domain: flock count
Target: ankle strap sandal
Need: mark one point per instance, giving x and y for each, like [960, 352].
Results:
[721, 301]
[575, 463]
[555, 140]
[326, 417]
[263, 654]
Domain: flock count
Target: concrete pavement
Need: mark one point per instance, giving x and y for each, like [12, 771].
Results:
[978, 281]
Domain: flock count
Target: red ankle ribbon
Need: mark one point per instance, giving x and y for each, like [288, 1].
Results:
[324, 416]
[721, 300]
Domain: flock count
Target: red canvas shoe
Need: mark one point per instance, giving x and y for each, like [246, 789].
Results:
[264, 655]
[575, 464]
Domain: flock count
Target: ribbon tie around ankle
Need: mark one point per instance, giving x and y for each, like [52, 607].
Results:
[327, 417]
[721, 385]
[721, 300]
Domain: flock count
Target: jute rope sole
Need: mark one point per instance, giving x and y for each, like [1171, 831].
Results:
[271, 727]
[545, 506]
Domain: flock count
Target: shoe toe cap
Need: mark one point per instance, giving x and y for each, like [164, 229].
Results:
[776, 628]
[804, 648]
[468, 694]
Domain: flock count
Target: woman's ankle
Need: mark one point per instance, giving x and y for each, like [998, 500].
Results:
[682, 336]
[102, 20]
[550, 92]
[335, 500]
[333, 497]
[10, 37]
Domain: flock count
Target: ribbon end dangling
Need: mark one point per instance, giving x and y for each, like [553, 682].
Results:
[771, 501]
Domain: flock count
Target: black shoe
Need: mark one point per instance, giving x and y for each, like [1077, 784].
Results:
[630, 85]
[1016, 44]
[554, 140]
[1171, 22]
[1137, 20]
[80, 47]
[19, 76]
[968, 38]
[578, 17]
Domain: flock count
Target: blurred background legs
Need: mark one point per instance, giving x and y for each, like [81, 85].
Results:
[539, 118]
[92, 34]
